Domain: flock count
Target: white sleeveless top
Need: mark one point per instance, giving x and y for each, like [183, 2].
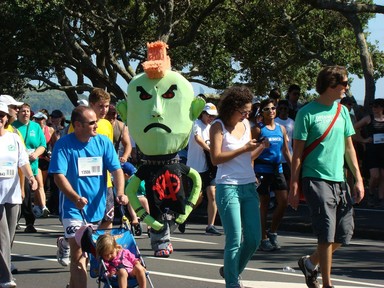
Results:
[239, 170]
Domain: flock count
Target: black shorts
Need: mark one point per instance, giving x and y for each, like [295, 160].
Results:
[271, 182]
[43, 164]
[375, 156]
[207, 179]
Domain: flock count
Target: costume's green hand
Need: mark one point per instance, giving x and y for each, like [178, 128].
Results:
[197, 107]
[193, 197]
[131, 192]
[122, 109]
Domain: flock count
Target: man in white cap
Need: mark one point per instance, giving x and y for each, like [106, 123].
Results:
[198, 158]
[13, 107]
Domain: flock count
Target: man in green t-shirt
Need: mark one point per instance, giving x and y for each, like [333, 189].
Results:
[322, 173]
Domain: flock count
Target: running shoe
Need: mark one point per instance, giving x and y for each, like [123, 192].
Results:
[62, 253]
[310, 276]
[266, 245]
[211, 230]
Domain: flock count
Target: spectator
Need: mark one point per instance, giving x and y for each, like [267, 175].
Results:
[293, 96]
[79, 163]
[121, 139]
[199, 159]
[233, 151]
[323, 174]
[40, 209]
[35, 143]
[269, 169]
[13, 151]
[288, 123]
[374, 149]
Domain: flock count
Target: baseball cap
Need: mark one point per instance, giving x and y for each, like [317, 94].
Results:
[128, 168]
[9, 100]
[40, 115]
[4, 108]
[57, 114]
[210, 109]
[82, 102]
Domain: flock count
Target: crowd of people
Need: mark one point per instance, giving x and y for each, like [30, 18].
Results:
[246, 152]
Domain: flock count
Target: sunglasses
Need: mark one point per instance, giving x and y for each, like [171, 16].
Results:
[344, 83]
[244, 113]
[90, 123]
[266, 109]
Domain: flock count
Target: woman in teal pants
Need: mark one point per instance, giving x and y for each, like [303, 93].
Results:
[233, 151]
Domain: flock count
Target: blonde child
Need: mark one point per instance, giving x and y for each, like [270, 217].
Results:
[120, 262]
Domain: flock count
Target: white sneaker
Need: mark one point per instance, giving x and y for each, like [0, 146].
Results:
[10, 284]
[45, 212]
[62, 253]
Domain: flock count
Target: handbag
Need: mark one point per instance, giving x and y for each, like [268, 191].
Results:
[313, 145]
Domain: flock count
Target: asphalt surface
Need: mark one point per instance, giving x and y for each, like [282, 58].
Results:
[198, 257]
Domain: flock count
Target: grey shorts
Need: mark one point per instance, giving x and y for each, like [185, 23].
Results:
[330, 204]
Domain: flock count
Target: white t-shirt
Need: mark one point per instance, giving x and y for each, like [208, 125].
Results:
[288, 125]
[13, 155]
[196, 157]
[239, 170]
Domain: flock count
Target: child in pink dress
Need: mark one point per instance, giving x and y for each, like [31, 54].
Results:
[120, 262]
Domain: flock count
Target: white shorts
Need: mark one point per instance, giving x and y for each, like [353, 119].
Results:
[72, 225]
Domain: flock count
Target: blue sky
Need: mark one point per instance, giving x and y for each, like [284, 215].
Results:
[376, 28]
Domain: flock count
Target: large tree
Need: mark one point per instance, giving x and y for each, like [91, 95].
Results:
[215, 43]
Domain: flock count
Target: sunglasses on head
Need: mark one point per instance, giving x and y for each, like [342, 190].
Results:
[266, 109]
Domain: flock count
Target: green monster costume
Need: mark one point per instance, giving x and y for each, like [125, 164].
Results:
[159, 111]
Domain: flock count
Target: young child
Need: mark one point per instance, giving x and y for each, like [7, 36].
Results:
[120, 262]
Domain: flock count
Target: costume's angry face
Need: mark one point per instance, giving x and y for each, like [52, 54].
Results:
[159, 113]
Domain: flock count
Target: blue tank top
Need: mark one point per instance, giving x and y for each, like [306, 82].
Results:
[269, 160]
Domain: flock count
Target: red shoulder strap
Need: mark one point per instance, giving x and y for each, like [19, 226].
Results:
[313, 145]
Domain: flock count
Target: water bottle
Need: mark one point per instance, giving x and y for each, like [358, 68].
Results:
[288, 269]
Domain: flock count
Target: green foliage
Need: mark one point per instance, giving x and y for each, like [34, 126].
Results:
[264, 44]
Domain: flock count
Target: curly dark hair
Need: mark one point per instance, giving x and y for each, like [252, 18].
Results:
[232, 100]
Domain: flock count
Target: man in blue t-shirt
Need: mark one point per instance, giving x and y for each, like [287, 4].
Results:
[80, 162]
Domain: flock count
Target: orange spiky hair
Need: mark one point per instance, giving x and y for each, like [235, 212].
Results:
[158, 62]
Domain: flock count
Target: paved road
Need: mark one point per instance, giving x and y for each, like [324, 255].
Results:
[197, 258]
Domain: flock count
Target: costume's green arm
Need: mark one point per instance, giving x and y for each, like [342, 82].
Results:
[131, 192]
[193, 197]
[122, 109]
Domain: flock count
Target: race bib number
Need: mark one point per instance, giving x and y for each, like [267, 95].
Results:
[8, 169]
[378, 138]
[90, 166]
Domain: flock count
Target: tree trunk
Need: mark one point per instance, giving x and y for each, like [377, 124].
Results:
[365, 58]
